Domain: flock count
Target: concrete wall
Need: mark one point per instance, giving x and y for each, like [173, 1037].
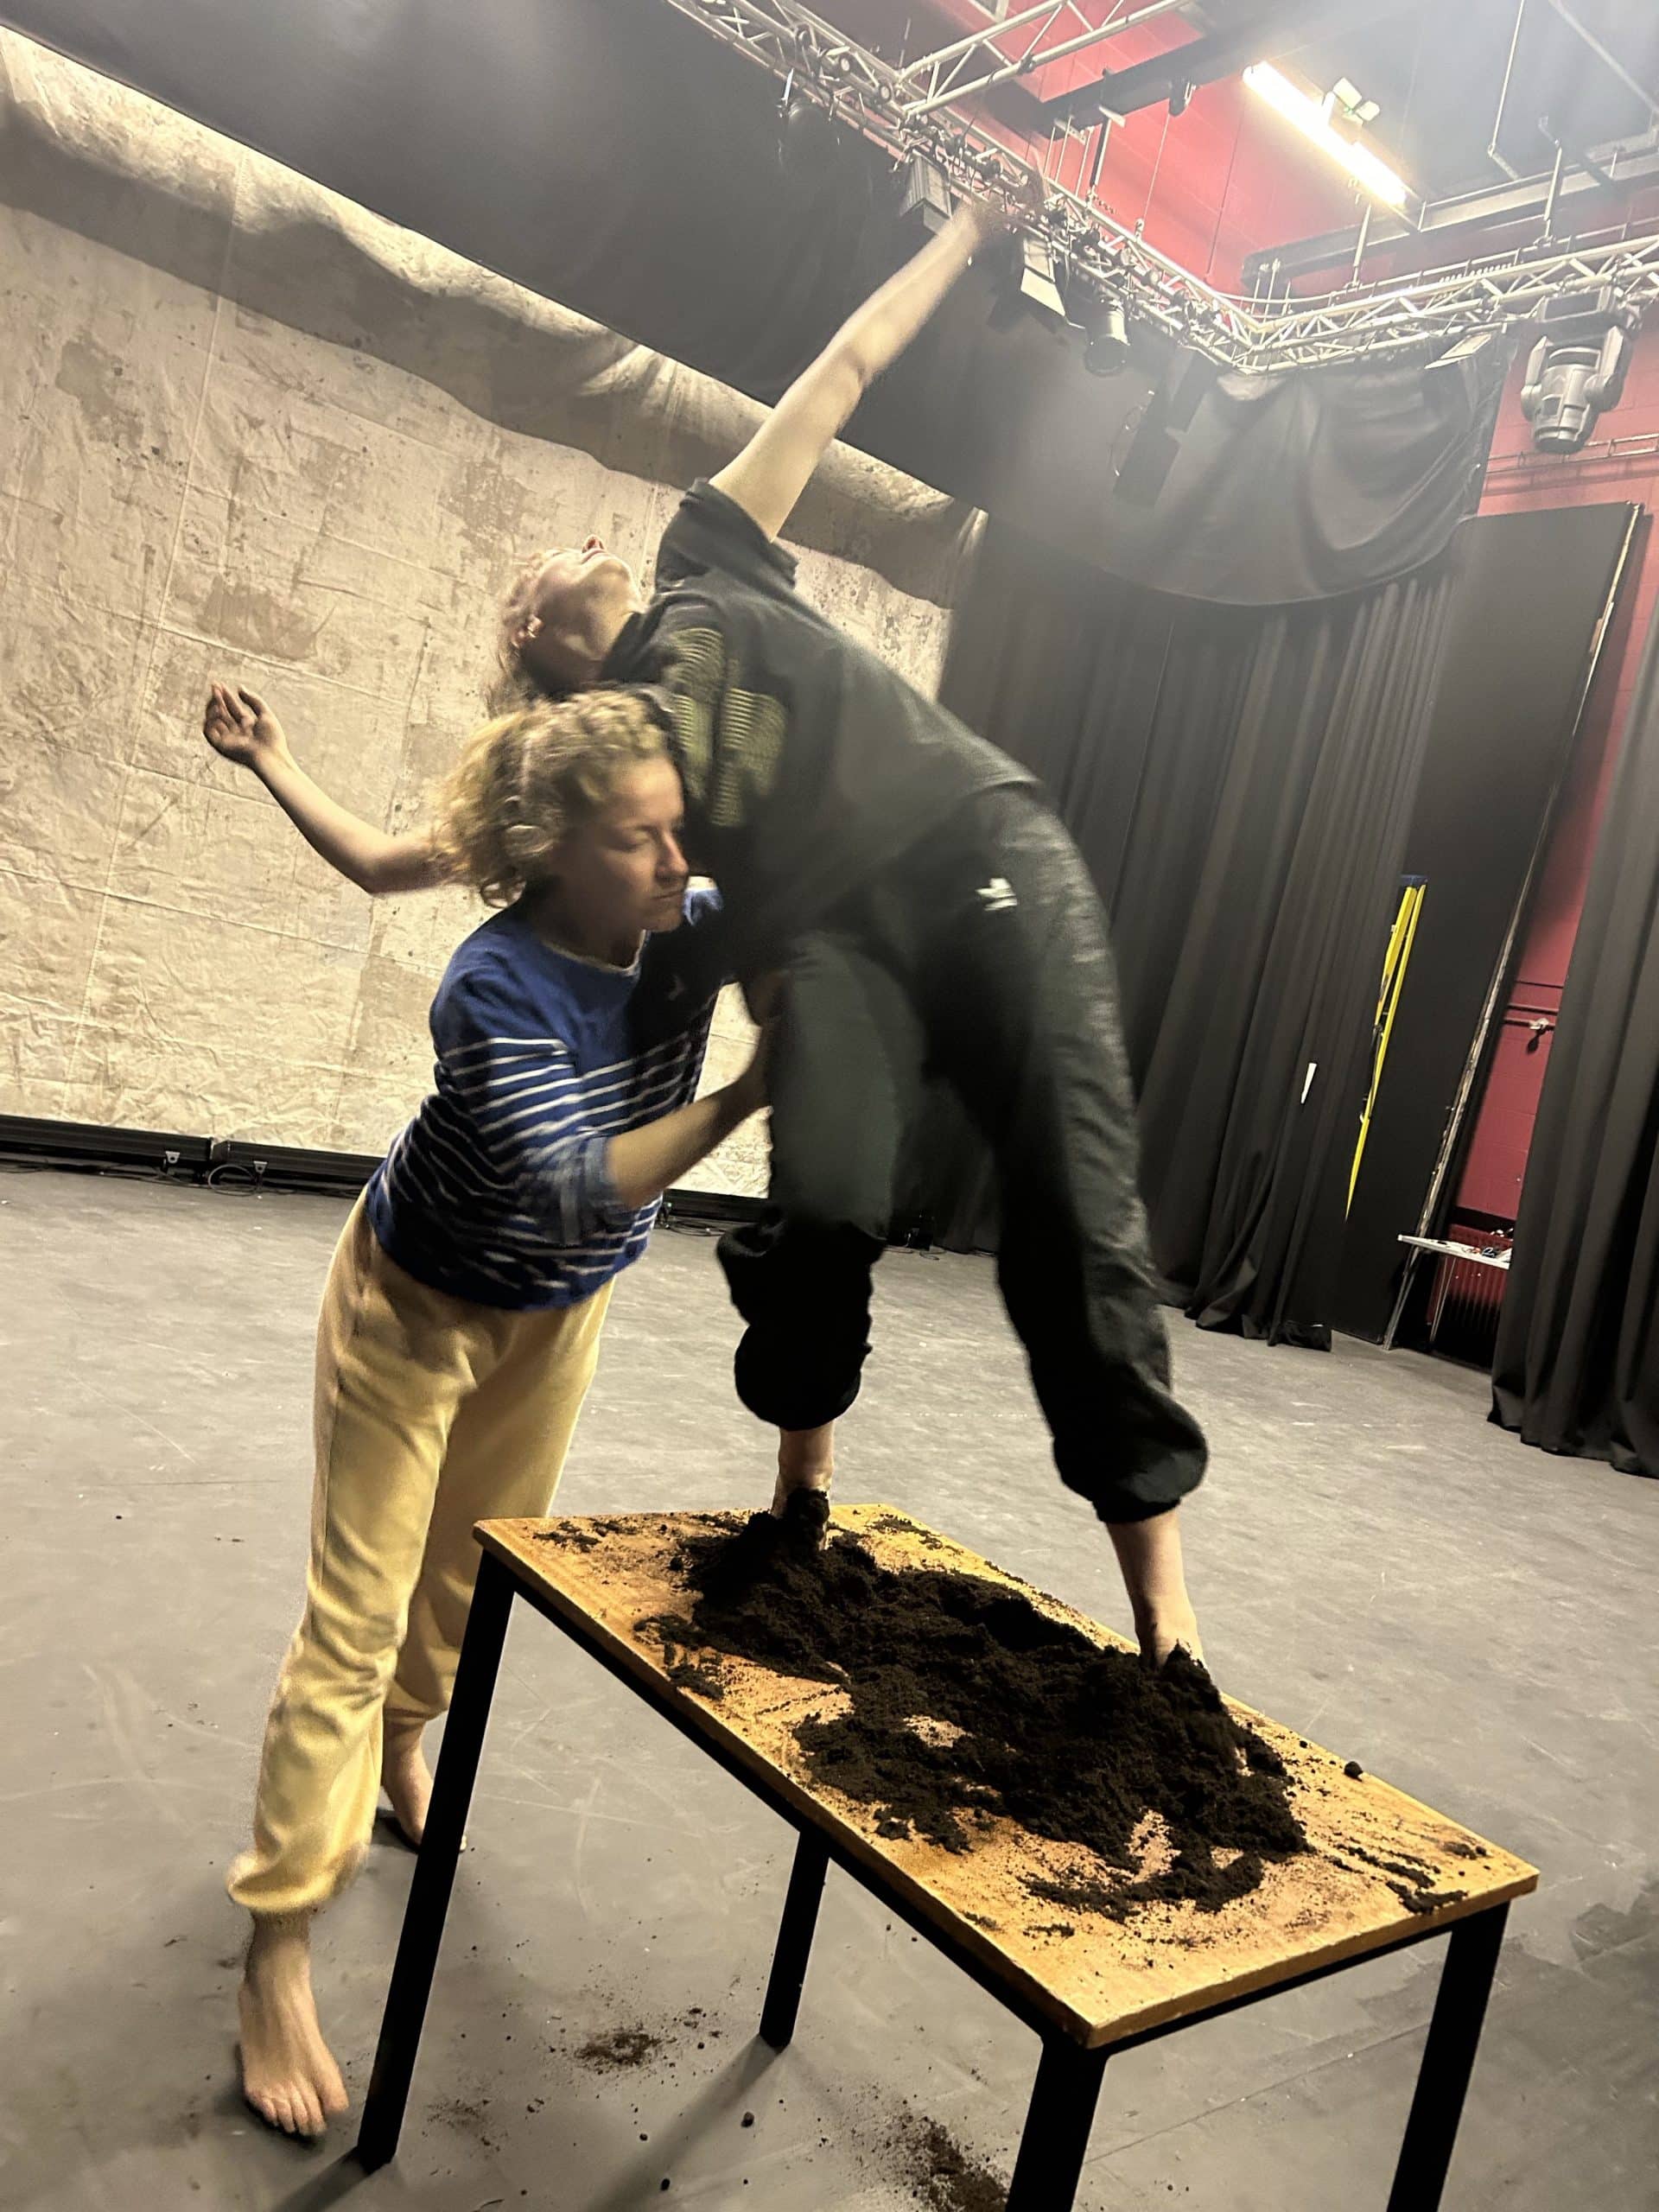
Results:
[248, 430]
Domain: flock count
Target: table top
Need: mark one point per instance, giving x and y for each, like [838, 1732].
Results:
[1451, 1249]
[1100, 1978]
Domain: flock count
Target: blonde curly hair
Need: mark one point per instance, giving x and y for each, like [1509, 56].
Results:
[528, 778]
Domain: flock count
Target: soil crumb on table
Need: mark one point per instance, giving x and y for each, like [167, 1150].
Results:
[957, 1701]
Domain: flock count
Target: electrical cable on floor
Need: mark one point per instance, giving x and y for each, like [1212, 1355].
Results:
[47, 1163]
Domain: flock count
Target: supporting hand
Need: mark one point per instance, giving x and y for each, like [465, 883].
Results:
[763, 994]
[749, 1089]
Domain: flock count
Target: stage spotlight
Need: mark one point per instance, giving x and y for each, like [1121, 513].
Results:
[1567, 387]
[1461, 364]
[808, 143]
[1470, 347]
[1105, 326]
[1039, 275]
[1025, 274]
[1577, 369]
[927, 202]
[1024, 277]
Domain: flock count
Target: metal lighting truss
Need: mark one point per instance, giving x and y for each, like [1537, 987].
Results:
[910, 111]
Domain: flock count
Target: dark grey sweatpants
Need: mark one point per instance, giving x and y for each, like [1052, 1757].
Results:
[982, 957]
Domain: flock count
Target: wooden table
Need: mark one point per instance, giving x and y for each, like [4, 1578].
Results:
[1384, 1872]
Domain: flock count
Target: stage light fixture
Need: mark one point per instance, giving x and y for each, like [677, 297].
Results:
[1353, 103]
[925, 204]
[1039, 275]
[1460, 362]
[1311, 117]
[1466, 348]
[1103, 320]
[1026, 275]
[808, 142]
[1576, 370]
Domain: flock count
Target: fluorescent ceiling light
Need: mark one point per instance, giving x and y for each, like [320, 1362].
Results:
[1313, 118]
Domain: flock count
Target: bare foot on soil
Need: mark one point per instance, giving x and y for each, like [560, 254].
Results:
[806, 1460]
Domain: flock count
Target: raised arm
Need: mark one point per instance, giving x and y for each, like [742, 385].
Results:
[774, 468]
[240, 726]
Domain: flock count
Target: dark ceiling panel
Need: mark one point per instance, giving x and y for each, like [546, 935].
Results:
[1438, 73]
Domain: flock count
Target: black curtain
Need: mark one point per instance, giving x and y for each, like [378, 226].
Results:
[611, 156]
[1532, 594]
[1577, 1365]
[1240, 782]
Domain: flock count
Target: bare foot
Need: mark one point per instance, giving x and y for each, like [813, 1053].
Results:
[407, 1779]
[1168, 1630]
[288, 2074]
[806, 1460]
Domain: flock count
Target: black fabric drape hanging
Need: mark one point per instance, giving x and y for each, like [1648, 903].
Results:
[1577, 1363]
[1241, 784]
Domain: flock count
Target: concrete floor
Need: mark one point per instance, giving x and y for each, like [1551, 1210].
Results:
[1472, 1619]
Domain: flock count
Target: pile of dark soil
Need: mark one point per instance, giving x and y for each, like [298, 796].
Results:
[968, 1703]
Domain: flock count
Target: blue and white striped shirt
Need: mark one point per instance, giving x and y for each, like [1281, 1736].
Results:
[498, 1190]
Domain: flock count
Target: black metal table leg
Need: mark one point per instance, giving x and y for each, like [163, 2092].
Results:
[1448, 2061]
[794, 1940]
[1056, 2140]
[434, 1867]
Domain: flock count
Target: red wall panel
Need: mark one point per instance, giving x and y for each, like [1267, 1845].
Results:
[1521, 479]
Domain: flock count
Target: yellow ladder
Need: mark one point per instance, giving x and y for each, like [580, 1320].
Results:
[1388, 1005]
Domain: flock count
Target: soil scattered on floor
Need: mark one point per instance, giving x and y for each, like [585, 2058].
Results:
[471, 2115]
[620, 2048]
[965, 1703]
[943, 2176]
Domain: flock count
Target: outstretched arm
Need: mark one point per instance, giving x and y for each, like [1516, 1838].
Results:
[775, 467]
[241, 727]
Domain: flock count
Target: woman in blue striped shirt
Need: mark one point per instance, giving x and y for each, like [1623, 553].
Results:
[460, 1322]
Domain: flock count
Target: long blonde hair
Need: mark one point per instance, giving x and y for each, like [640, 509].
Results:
[528, 778]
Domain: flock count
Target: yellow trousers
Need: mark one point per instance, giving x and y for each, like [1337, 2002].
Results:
[430, 1414]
